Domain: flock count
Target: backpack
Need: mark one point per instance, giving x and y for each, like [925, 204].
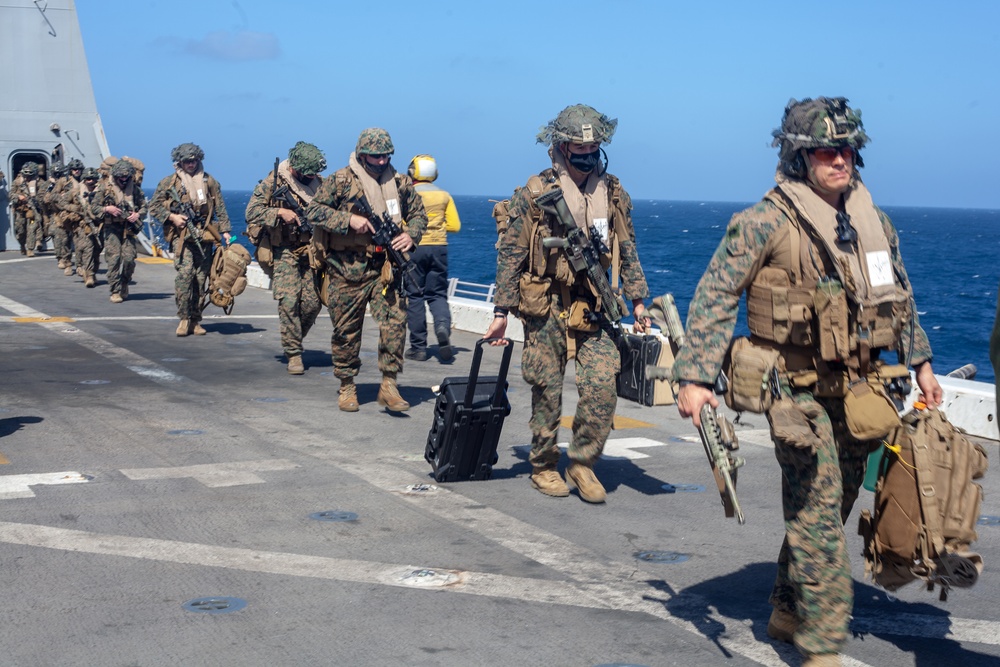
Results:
[926, 506]
[227, 279]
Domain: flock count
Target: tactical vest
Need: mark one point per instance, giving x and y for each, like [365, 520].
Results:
[325, 241]
[281, 235]
[811, 296]
[550, 265]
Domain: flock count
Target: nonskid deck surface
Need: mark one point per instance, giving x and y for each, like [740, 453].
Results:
[142, 474]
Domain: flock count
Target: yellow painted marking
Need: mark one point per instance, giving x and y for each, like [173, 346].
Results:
[619, 422]
[3, 460]
[154, 260]
[43, 319]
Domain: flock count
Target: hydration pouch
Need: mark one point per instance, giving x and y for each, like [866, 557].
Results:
[749, 369]
[868, 411]
[830, 304]
[579, 318]
[534, 291]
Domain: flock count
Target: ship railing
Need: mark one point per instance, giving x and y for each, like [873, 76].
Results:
[474, 291]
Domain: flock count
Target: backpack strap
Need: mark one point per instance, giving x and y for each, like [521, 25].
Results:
[929, 502]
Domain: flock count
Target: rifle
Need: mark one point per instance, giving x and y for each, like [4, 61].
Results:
[720, 442]
[584, 254]
[284, 195]
[200, 223]
[385, 231]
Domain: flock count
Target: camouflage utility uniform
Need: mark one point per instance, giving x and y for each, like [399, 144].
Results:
[549, 343]
[64, 222]
[76, 204]
[118, 231]
[357, 269]
[294, 283]
[822, 464]
[193, 255]
[26, 201]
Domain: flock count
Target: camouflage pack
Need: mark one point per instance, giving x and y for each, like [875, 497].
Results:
[227, 279]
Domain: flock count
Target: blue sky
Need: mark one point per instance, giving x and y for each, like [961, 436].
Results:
[697, 87]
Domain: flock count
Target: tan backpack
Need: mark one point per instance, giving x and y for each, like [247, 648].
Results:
[926, 506]
[228, 277]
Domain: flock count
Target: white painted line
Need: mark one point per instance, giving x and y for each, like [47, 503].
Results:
[143, 318]
[19, 486]
[214, 474]
[618, 448]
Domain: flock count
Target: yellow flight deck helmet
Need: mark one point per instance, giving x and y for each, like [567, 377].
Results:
[423, 168]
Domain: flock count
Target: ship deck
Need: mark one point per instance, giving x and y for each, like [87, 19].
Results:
[144, 476]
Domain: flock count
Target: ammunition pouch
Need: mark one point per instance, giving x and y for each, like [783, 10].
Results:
[830, 304]
[779, 312]
[534, 296]
[750, 369]
[265, 256]
[580, 318]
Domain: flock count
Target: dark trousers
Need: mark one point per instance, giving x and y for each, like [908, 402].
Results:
[430, 271]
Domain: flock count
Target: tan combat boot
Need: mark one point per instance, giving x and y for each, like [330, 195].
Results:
[90, 281]
[548, 481]
[184, 328]
[116, 298]
[782, 625]
[68, 271]
[822, 660]
[586, 483]
[198, 330]
[61, 263]
[295, 366]
[348, 399]
[31, 252]
[388, 395]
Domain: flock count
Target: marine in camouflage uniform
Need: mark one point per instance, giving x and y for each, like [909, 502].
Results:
[63, 224]
[820, 212]
[25, 199]
[77, 203]
[359, 273]
[192, 240]
[119, 206]
[602, 207]
[275, 228]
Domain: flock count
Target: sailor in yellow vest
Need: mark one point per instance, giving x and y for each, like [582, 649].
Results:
[827, 295]
[430, 264]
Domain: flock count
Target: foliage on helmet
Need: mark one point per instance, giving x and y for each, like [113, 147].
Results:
[122, 169]
[90, 173]
[75, 163]
[187, 152]
[578, 124]
[374, 141]
[135, 162]
[306, 159]
[59, 170]
[29, 169]
[423, 168]
[823, 122]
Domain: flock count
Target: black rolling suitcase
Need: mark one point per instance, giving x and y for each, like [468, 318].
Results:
[468, 417]
[633, 383]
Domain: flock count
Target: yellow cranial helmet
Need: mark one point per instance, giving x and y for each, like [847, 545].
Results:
[423, 168]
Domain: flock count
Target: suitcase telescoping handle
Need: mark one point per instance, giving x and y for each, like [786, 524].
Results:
[477, 358]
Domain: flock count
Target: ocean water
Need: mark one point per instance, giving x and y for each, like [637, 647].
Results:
[952, 257]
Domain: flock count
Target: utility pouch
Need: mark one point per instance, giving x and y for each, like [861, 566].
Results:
[265, 256]
[579, 317]
[534, 301]
[868, 411]
[749, 369]
[830, 304]
[385, 276]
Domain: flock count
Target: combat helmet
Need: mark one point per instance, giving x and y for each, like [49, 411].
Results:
[29, 169]
[374, 141]
[578, 124]
[75, 163]
[817, 123]
[306, 159]
[59, 169]
[423, 168]
[122, 169]
[187, 152]
[90, 174]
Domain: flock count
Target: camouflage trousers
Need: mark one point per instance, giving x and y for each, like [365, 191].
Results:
[29, 233]
[293, 284]
[119, 253]
[818, 490]
[88, 252]
[62, 242]
[193, 263]
[347, 301]
[543, 366]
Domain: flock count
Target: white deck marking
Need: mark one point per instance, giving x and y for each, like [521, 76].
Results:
[214, 474]
[19, 486]
[618, 448]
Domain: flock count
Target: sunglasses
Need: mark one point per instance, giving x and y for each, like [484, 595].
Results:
[828, 154]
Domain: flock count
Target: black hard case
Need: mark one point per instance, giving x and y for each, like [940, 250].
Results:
[636, 353]
[468, 417]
